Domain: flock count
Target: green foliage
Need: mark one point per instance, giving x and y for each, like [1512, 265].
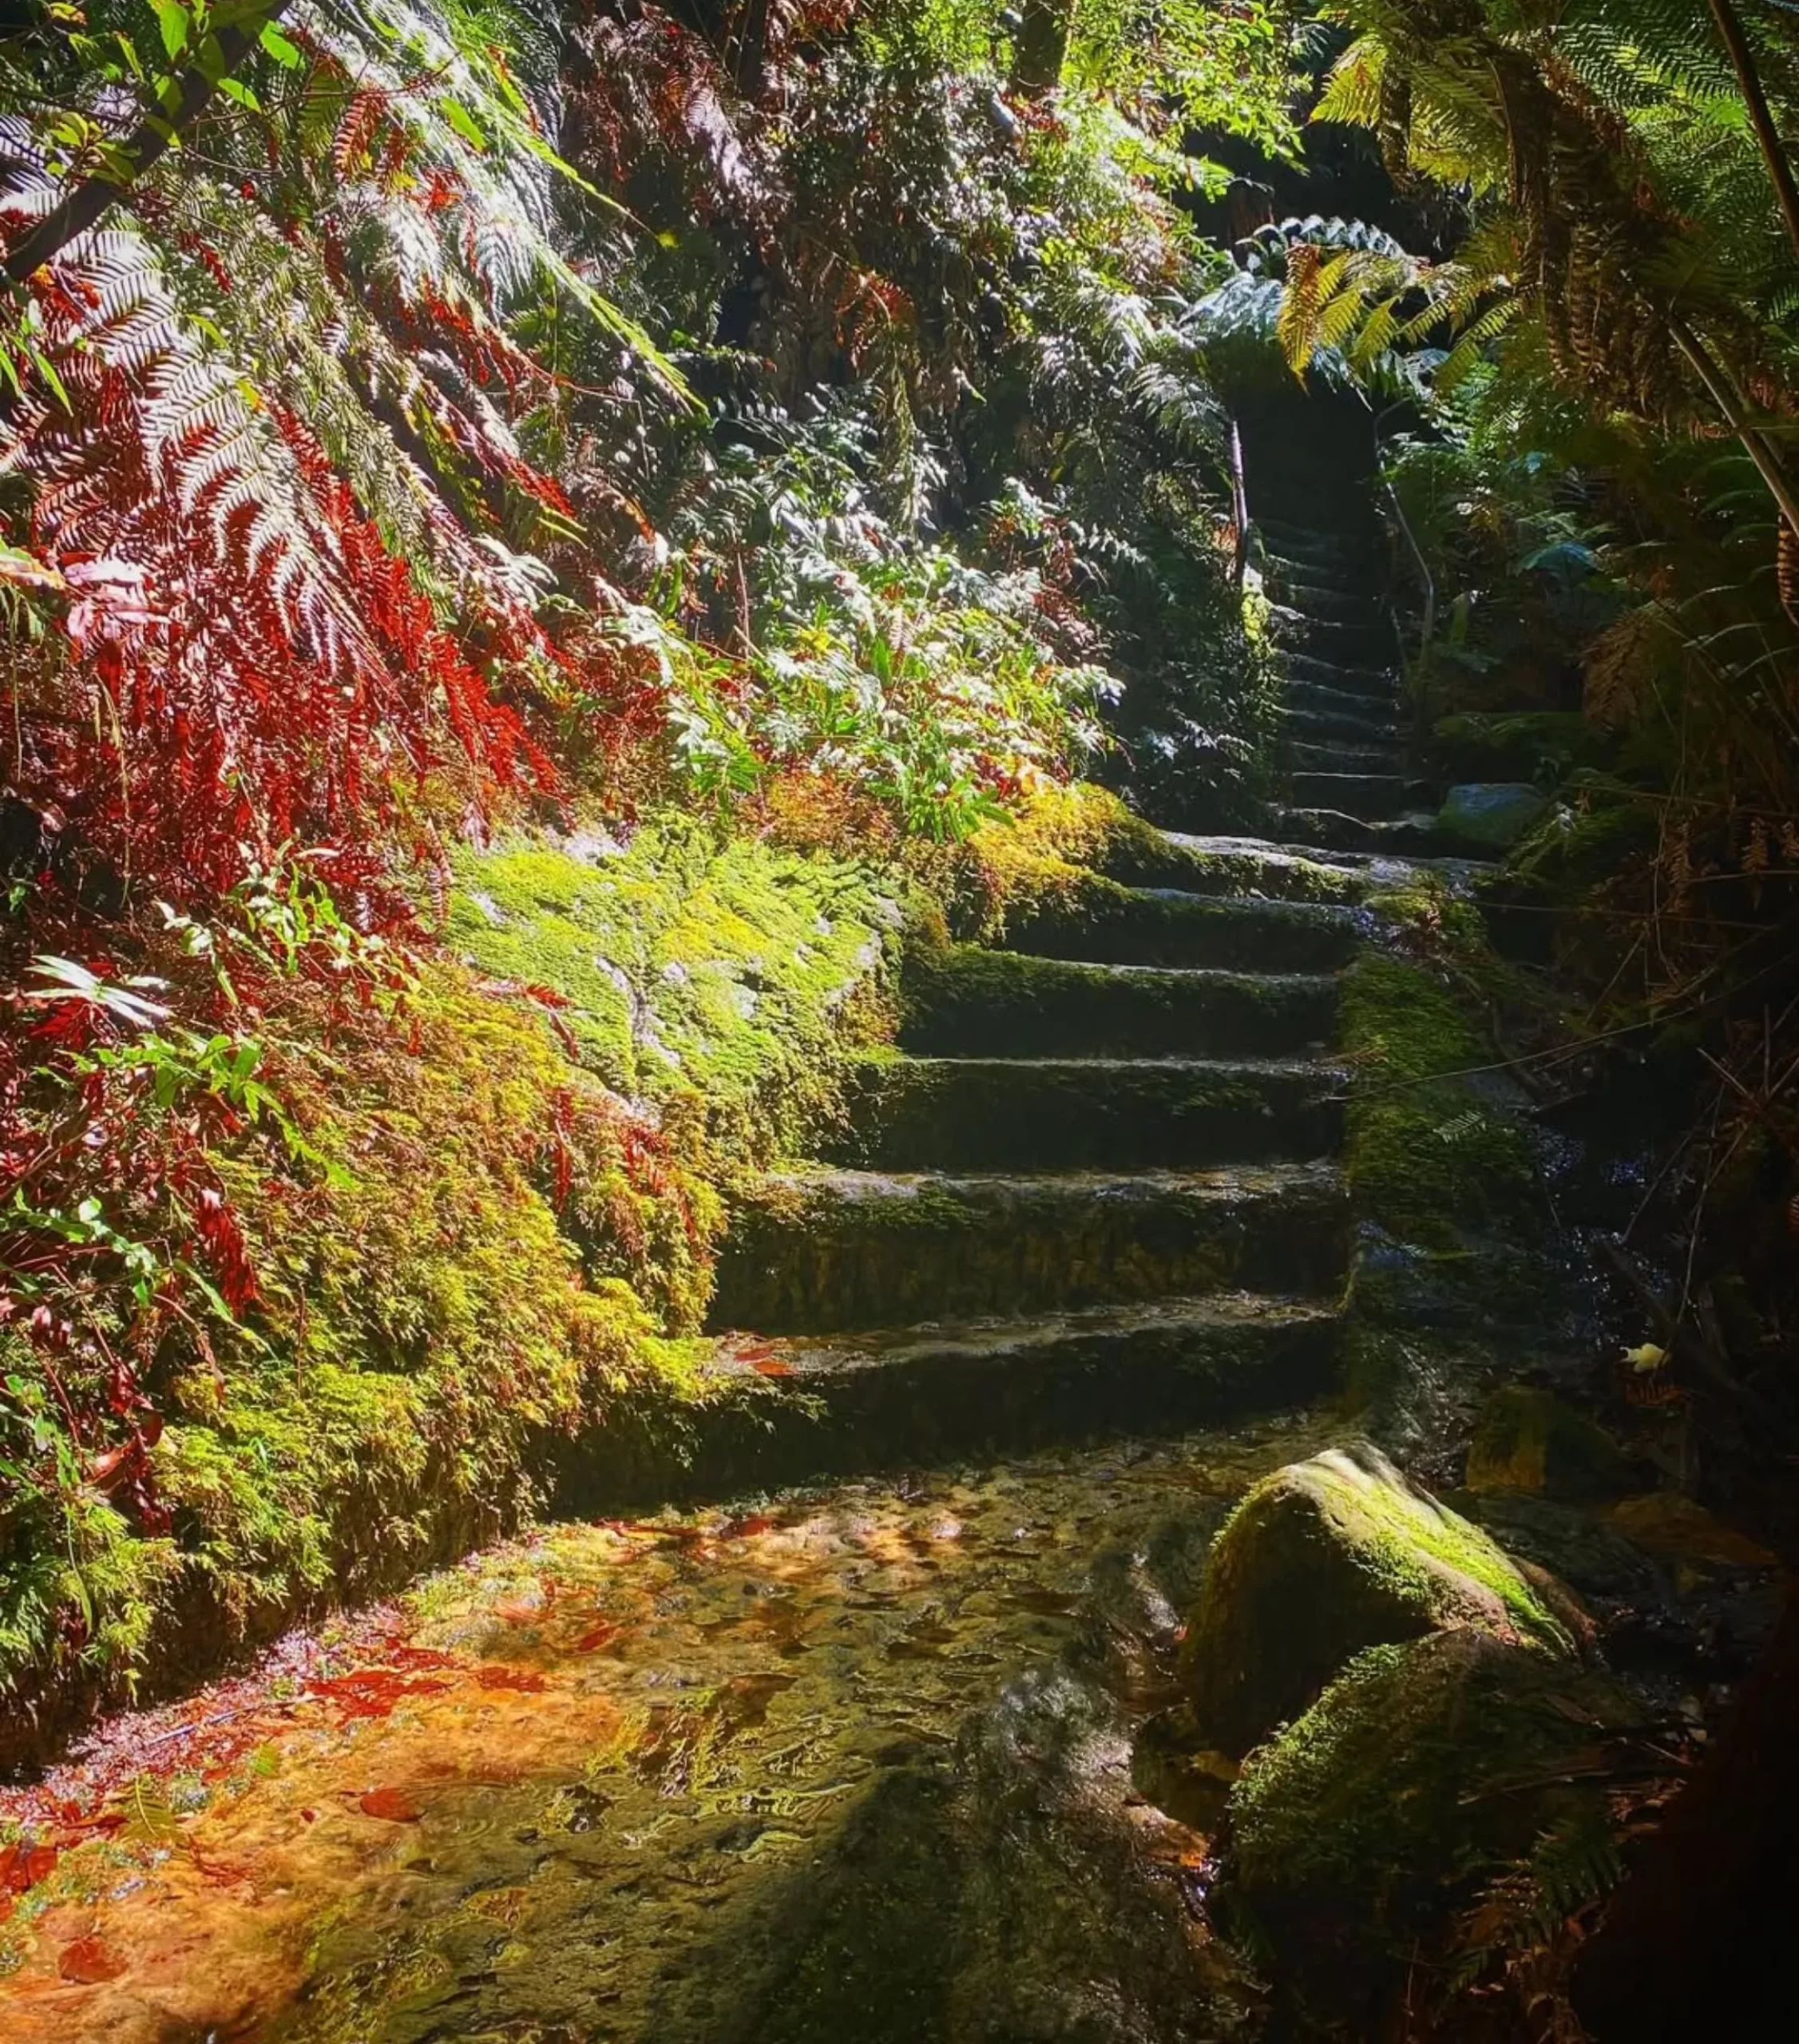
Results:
[718, 972]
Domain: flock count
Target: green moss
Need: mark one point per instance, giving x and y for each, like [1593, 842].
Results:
[1430, 1159]
[1326, 1557]
[1421, 1771]
[1527, 1439]
[725, 970]
[1572, 851]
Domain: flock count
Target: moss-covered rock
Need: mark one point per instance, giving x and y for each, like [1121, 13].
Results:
[1421, 1772]
[1528, 1440]
[1430, 1160]
[1327, 1556]
[1491, 815]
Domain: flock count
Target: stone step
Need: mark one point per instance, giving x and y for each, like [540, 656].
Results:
[1292, 539]
[1337, 756]
[968, 1001]
[1246, 868]
[1359, 645]
[1412, 835]
[818, 1250]
[1032, 1115]
[780, 1411]
[1374, 688]
[1308, 720]
[1369, 796]
[1354, 603]
[1115, 926]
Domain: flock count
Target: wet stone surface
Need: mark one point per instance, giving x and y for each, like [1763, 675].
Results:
[843, 1764]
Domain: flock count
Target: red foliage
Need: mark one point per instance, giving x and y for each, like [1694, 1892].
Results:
[90, 1961]
[251, 664]
[393, 1805]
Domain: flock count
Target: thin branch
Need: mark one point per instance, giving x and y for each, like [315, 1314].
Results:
[192, 93]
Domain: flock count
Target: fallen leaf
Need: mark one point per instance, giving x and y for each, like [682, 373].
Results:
[393, 1804]
[496, 1678]
[23, 1866]
[89, 1961]
[591, 1643]
[373, 1692]
[519, 1614]
[744, 1529]
[767, 1366]
[399, 1655]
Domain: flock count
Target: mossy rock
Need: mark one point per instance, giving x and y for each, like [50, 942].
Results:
[1527, 1439]
[1330, 1556]
[1491, 815]
[1420, 1773]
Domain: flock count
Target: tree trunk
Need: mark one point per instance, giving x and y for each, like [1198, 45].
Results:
[1705, 1924]
[1042, 47]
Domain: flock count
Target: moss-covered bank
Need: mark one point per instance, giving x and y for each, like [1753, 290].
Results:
[490, 1229]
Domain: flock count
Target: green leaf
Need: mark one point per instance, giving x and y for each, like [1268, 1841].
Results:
[288, 55]
[463, 121]
[235, 89]
[174, 22]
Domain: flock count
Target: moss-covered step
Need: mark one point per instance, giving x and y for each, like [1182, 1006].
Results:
[907, 1114]
[782, 1411]
[970, 1001]
[1413, 834]
[1368, 796]
[1106, 924]
[811, 1252]
[1192, 864]
[1370, 684]
[1249, 866]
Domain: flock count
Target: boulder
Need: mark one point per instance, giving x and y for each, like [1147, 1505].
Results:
[1419, 1773]
[1491, 816]
[1528, 1441]
[1330, 1556]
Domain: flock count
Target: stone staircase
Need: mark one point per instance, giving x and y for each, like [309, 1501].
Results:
[1094, 1189]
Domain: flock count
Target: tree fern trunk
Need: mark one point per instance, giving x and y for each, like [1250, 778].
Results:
[1761, 115]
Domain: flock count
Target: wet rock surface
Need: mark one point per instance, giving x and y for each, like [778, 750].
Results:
[850, 1763]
